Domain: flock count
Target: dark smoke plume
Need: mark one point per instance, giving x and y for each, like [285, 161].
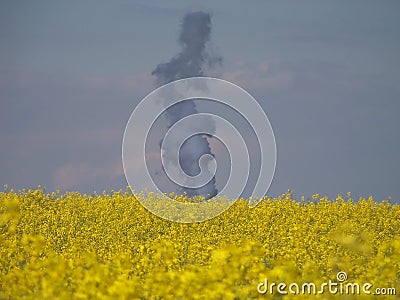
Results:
[190, 62]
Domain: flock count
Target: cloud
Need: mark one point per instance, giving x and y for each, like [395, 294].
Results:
[73, 175]
[265, 74]
[138, 82]
[83, 160]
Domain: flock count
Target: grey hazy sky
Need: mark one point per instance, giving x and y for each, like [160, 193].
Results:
[327, 73]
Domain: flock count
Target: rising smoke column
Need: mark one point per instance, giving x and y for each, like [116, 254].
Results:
[190, 62]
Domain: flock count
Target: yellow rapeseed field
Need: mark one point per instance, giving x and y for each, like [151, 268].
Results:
[74, 246]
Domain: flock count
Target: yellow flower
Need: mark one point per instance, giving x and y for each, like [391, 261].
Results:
[108, 246]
